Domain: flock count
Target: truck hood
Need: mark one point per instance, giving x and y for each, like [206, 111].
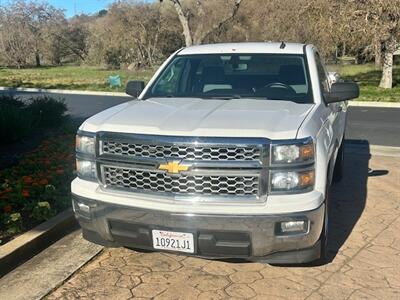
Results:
[203, 117]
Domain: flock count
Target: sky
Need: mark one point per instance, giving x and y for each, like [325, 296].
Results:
[72, 7]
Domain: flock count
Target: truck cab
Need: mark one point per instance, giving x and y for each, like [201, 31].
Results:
[228, 151]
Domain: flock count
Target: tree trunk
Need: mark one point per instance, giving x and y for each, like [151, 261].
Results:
[336, 54]
[378, 54]
[387, 74]
[37, 58]
[344, 49]
[184, 22]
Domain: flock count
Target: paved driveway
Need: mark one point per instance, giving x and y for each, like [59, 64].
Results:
[365, 256]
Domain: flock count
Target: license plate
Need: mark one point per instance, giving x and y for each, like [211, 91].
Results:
[175, 241]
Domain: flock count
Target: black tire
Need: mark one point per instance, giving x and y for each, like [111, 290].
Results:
[324, 238]
[339, 165]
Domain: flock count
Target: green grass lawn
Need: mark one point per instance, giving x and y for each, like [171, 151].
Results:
[94, 78]
[368, 76]
[69, 77]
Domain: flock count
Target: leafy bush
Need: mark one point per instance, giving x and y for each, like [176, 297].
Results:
[16, 122]
[18, 118]
[38, 187]
[47, 111]
[113, 58]
[12, 100]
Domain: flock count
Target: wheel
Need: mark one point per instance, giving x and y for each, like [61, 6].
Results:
[324, 236]
[339, 165]
[324, 240]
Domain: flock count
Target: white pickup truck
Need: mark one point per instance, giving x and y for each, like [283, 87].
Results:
[229, 151]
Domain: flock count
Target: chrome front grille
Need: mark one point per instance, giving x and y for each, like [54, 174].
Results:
[234, 167]
[186, 152]
[156, 181]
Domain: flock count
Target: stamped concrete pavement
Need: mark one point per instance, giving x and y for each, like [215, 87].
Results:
[365, 255]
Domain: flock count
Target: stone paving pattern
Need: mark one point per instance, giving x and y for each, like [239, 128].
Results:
[365, 252]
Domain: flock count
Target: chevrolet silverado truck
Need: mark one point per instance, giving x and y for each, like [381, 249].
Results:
[228, 152]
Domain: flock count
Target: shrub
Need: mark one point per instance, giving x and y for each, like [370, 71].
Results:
[37, 187]
[18, 119]
[12, 100]
[15, 122]
[47, 111]
[113, 58]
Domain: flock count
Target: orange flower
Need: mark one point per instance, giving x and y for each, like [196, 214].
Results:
[44, 181]
[7, 208]
[27, 179]
[25, 193]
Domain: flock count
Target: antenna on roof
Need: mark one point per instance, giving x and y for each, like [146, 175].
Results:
[283, 45]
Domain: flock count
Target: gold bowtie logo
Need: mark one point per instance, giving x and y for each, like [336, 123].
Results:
[173, 167]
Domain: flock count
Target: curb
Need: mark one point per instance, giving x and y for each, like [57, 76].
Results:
[35, 240]
[374, 104]
[45, 272]
[66, 92]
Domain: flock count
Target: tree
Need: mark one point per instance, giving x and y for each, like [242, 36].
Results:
[15, 43]
[195, 18]
[132, 34]
[28, 23]
[379, 21]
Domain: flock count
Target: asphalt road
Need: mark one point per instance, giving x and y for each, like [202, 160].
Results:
[378, 126]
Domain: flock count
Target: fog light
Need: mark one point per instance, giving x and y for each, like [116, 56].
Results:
[300, 226]
[82, 209]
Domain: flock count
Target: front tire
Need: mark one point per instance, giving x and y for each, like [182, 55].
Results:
[324, 238]
[339, 165]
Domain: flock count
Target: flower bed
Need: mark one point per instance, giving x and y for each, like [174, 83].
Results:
[38, 187]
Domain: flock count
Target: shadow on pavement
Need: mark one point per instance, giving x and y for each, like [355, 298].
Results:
[348, 197]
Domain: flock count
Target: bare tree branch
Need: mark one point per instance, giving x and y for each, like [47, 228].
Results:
[220, 24]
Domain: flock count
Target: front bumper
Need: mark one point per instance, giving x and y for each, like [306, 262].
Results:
[252, 237]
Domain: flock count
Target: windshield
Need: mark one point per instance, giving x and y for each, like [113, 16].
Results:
[226, 76]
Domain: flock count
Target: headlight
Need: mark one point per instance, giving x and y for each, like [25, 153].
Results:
[85, 155]
[85, 144]
[86, 169]
[284, 181]
[300, 152]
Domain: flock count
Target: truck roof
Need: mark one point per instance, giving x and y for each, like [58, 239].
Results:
[247, 47]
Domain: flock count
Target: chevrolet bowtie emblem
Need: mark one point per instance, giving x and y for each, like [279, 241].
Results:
[173, 167]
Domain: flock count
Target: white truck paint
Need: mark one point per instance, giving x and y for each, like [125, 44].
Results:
[315, 119]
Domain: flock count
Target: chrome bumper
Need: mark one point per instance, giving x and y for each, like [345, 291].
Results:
[248, 236]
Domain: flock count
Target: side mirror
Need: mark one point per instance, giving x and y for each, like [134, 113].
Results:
[342, 91]
[134, 88]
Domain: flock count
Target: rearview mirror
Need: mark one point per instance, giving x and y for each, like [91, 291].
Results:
[134, 88]
[342, 91]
